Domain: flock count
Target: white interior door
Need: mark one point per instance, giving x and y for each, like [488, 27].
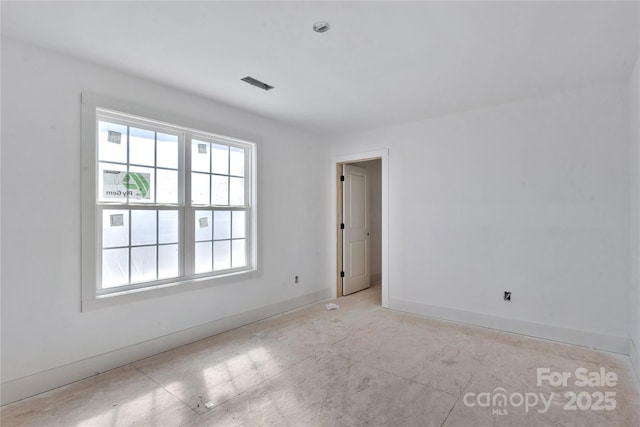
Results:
[355, 237]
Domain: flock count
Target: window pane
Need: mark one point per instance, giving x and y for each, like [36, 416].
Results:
[143, 264]
[168, 227]
[222, 255]
[143, 227]
[239, 253]
[141, 183]
[203, 257]
[167, 186]
[220, 187]
[115, 267]
[113, 174]
[221, 225]
[167, 151]
[236, 190]
[200, 158]
[220, 159]
[168, 261]
[239, 230]
[203, 225]
[236, 161]
[112, 142]
[115, 228]
[142, 147]
[199, 189]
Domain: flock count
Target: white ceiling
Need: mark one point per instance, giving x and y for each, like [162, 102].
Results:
[381, 63]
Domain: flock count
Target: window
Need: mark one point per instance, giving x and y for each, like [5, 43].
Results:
[169, 204]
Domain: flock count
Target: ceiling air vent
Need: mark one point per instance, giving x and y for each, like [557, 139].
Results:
[257, 83]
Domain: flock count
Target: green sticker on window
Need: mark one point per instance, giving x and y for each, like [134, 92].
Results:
[121, 184]
[137, 181]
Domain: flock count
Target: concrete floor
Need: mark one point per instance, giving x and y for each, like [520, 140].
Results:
[359, 365]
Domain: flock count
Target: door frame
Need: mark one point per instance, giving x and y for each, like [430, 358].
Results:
[336, 215]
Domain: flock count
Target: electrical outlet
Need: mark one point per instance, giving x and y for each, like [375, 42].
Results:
[296, 279]
[507, 295]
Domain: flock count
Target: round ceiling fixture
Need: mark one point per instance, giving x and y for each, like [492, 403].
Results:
[321, 27]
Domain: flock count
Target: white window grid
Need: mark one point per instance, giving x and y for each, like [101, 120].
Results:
[186, 210]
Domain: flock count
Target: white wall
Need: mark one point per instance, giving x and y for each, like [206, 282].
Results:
[634, 300]
[530, 197]
[46, 339]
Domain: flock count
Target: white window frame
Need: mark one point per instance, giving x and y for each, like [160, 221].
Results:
[95, 106]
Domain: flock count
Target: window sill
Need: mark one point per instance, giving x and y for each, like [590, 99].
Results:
[144, 294]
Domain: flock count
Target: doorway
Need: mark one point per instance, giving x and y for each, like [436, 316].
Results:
[374, 247]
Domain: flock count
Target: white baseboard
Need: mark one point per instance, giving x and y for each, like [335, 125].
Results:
[570, 336]
[40, 382]
[634, 355]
